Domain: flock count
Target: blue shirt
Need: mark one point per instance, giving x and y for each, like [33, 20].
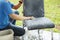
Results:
[5, 10]
[11, 4]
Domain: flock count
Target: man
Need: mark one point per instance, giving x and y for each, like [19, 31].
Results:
[5, 12]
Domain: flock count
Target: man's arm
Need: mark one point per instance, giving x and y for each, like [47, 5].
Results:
[18, 5]
[17, 17]
[8, 11]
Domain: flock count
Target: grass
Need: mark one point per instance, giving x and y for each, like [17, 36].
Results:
[52, 11]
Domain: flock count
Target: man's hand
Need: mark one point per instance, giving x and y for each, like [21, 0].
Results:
[17, 17]
[18, 5]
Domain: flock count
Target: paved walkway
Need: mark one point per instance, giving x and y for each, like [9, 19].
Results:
[44, 35]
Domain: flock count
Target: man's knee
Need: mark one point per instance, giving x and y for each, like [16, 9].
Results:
[19, 32]
[23, 32]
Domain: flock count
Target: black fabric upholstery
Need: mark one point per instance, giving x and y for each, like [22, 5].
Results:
[34, 8]
[39, 23]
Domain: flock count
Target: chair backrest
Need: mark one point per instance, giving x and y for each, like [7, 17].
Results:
[33, 8]
[36, 8]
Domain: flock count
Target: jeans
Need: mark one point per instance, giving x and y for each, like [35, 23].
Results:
[17, 30]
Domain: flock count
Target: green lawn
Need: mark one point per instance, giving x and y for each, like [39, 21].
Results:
[52, 11]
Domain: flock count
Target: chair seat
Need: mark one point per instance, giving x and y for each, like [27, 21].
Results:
[39, 23]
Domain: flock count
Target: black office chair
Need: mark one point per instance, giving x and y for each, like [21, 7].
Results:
[36, 8]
